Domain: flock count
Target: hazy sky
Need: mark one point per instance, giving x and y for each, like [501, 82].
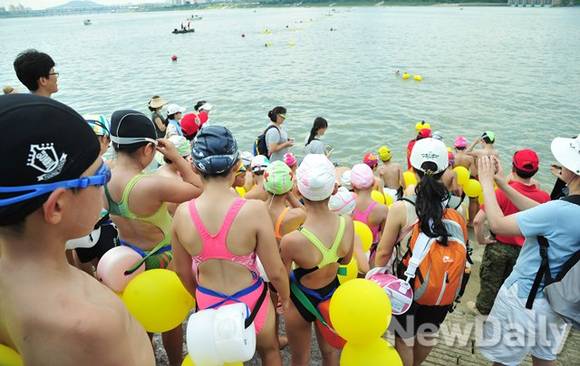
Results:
[41, 4]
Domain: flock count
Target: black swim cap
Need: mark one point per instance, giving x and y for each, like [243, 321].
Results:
[129, 127]
[42, 141]
[215, 150]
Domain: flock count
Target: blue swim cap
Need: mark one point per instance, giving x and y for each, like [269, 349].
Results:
[215, 150]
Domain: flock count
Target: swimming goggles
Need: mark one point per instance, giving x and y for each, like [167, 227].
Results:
[132, 140]
[102, 176]
[99, 128]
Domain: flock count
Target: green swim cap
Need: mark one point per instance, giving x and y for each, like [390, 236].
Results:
[488, 137]
[278, 178]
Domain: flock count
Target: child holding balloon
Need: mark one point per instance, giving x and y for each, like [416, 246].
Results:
[315, 251]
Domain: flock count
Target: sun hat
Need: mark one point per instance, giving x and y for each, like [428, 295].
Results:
[246, 158]
[278, 178]
[371, 160]
[130, 127]
[421, 125]
[342, 202]
[437, 135]
[429, 150]
[214, 150]
[290, 159]
[174, 108]
[206, 107]
[567, 152]
[41, 155]
[157, 102]
[385, 153]
[316, 177]
[362, 176]
[98, 123]
[488, 137]
[8, 89]
[259, 163]
[345, 180]
[460, 142]
[526, 160]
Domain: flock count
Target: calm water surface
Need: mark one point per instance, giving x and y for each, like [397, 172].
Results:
[514, 71]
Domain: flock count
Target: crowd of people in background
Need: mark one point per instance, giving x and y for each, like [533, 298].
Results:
[262, 227]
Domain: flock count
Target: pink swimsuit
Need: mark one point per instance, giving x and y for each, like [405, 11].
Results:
[363, 216]
[215, 247]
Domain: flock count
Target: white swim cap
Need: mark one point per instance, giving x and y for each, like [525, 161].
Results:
[342, 202]
[362, 176]
[345, 180]
[316, 177]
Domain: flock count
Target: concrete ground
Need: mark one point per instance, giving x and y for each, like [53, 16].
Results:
[446, 352]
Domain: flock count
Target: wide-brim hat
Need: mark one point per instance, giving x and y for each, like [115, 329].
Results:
[157, 102]
[567, 152]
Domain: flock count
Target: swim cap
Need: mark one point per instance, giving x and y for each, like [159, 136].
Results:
[215, 150]
[342, 202]
[259, 163]
[362, 176]
[429, 150]
[385, 153]
[421, 125]
[278, 178]
[190, 124]
[98, 123]
[316, 177]
[424, 133]
[371, 160]
[34, 149]
[488, 137]
[290, 159]
[181, 144]
[460, 142]
[438, 136]
[345, 180]
[567, 151]
[130, 127]
[246, 157]
[451, 158]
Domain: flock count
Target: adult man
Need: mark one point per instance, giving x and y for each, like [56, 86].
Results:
[36, 71]
[500, 255]
[50, 192]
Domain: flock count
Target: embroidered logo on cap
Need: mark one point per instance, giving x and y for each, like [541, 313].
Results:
[43, 157]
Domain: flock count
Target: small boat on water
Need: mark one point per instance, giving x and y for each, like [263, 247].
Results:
[87, 22]
[182, 31]
[195, 17]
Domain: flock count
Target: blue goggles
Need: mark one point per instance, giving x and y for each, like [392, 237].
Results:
[102, 176]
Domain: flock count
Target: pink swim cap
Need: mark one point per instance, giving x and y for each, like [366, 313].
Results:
[460, 141]
[361, 176]
[290, 159]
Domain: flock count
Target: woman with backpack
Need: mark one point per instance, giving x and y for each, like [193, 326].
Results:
[541, 294]
[275, 137]
[437, 243]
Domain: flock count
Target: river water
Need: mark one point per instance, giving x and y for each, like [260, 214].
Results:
[515, 71]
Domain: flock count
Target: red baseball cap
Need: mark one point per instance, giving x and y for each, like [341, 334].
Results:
[190, 124]
[526, 160]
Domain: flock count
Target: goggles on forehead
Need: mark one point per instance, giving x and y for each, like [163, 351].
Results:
[100, 178]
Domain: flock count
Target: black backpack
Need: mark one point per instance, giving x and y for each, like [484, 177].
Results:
[260, 146]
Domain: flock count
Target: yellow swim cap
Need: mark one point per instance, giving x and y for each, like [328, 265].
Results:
[385, 153]
[421, 125]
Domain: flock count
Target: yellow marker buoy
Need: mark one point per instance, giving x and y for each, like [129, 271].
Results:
[406, 76]
[418, 77]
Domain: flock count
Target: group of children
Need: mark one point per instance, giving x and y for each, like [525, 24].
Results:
[270, 233]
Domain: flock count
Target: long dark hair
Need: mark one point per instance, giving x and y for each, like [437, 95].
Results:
[431, 193]
[273, 114]
[319, 123]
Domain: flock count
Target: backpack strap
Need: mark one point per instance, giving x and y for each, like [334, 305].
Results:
[543, 271]
[572, 199]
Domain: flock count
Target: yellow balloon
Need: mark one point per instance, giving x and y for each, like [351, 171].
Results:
[378, 197]
[364, 234]
[480, 199]
[410, 178]
[377, 352]
[9, 357]
[187, 361]
[351, 271]
[389, 200]
[360, 311]
[241, 191]
[472, 188]
[158, 300]
[462, 175]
